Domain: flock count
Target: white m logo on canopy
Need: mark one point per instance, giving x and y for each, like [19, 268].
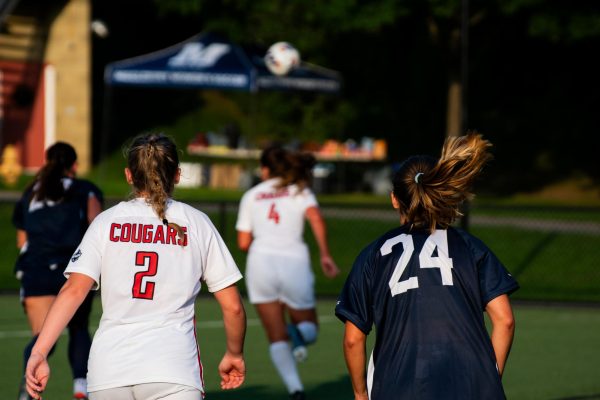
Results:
[196, 55]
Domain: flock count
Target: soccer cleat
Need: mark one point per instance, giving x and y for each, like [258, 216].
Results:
[299, 349]
[299, 395]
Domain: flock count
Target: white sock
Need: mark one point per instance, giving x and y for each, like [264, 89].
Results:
[283, 360]
[80, 385]
[309, 331]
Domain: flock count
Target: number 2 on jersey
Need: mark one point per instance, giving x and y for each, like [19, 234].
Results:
[149, 259]
[273, 214]
[438, 240]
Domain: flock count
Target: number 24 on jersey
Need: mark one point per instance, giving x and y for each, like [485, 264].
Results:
[439, 240]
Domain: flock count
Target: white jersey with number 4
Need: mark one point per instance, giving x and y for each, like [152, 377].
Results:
[149, 279]
[275, 217]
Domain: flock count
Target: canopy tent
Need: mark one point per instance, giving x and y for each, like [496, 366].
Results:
[211, 62]
[208, 61]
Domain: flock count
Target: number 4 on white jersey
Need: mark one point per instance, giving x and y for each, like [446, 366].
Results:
[438, 240]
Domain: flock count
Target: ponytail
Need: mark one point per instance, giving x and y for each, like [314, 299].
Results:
[48, 184]
[290, 167]
[431, 191]
[153, 161]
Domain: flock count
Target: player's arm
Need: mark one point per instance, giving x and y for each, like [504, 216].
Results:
[94, 207]
[355, 355]
[503, 328]
[232, 367]
[317, 224]
[244, 240]
[62, 310]
[21, 238]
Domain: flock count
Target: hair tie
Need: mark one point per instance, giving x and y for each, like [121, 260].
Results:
[417, 176]
[165, 221]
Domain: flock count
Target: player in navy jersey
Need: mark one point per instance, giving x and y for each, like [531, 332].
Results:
[51, 218]
[424, 286]
[151, 255]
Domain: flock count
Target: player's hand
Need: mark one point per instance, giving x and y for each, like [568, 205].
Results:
[37, 373]
[330, 269]
[362, 396]
[232, 370]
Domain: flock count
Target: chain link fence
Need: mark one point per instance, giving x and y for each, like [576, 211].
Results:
[553, 252]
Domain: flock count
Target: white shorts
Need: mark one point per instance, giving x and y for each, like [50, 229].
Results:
[148, 391]
[284, 278]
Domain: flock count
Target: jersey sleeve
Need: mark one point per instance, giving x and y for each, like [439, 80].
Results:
[219, 268]
[308, 199]
[87, 258]
[18, 216]
[355, 301]
[91, 190]
[244, 221]
[494, 278]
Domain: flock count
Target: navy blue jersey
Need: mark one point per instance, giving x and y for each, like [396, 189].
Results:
[425, 293]
[54, 229]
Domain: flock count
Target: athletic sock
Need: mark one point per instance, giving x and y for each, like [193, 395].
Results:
[309, 331]
[29, 347]
[80, 386]
[283, 360]
[79, 350]
[27, 351]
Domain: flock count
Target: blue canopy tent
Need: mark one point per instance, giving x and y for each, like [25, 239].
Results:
[207, 61]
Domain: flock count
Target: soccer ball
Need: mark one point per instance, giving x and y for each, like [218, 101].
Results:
[281, 58]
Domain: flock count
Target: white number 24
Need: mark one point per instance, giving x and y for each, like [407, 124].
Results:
[439, 240]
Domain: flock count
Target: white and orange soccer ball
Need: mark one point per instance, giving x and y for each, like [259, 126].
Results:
[281, 58]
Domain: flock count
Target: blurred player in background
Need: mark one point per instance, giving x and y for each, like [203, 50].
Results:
[51, 218]
[424, 286]
[150, 255]
[279, 278]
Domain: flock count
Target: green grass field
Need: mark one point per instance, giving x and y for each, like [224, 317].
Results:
[555, 356]
[549, 264]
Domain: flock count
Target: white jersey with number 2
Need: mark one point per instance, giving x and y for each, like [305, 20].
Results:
[149, 279]
[275, 217]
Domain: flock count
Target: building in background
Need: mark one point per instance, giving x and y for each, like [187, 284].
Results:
[45, 78]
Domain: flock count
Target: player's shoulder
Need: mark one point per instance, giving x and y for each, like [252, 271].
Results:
[83, 185]
[264, 186]
[471, 242]
[373, 249]
[186, 212]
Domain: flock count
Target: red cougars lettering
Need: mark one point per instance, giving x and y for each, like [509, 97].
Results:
[268, 196]
[146, 233]
[159, 235]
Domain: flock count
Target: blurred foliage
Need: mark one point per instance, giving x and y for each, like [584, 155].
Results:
[529, 66]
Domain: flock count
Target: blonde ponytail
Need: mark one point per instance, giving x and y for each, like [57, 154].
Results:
[154, 162]
[431, 191]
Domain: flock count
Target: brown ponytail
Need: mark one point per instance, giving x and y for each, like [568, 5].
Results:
[290, 167]
[48, 185]
[153, 161]
[430, 191]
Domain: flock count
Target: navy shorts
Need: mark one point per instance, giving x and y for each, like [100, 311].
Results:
[45, 280]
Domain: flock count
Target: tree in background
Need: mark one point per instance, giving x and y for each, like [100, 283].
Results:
[529, 63]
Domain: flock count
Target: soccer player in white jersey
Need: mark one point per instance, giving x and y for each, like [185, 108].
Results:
[150, 255]
[279, 278]
[424, 285]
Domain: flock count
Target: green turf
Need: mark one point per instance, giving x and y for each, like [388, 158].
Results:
[555, 356]
[549, 265]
